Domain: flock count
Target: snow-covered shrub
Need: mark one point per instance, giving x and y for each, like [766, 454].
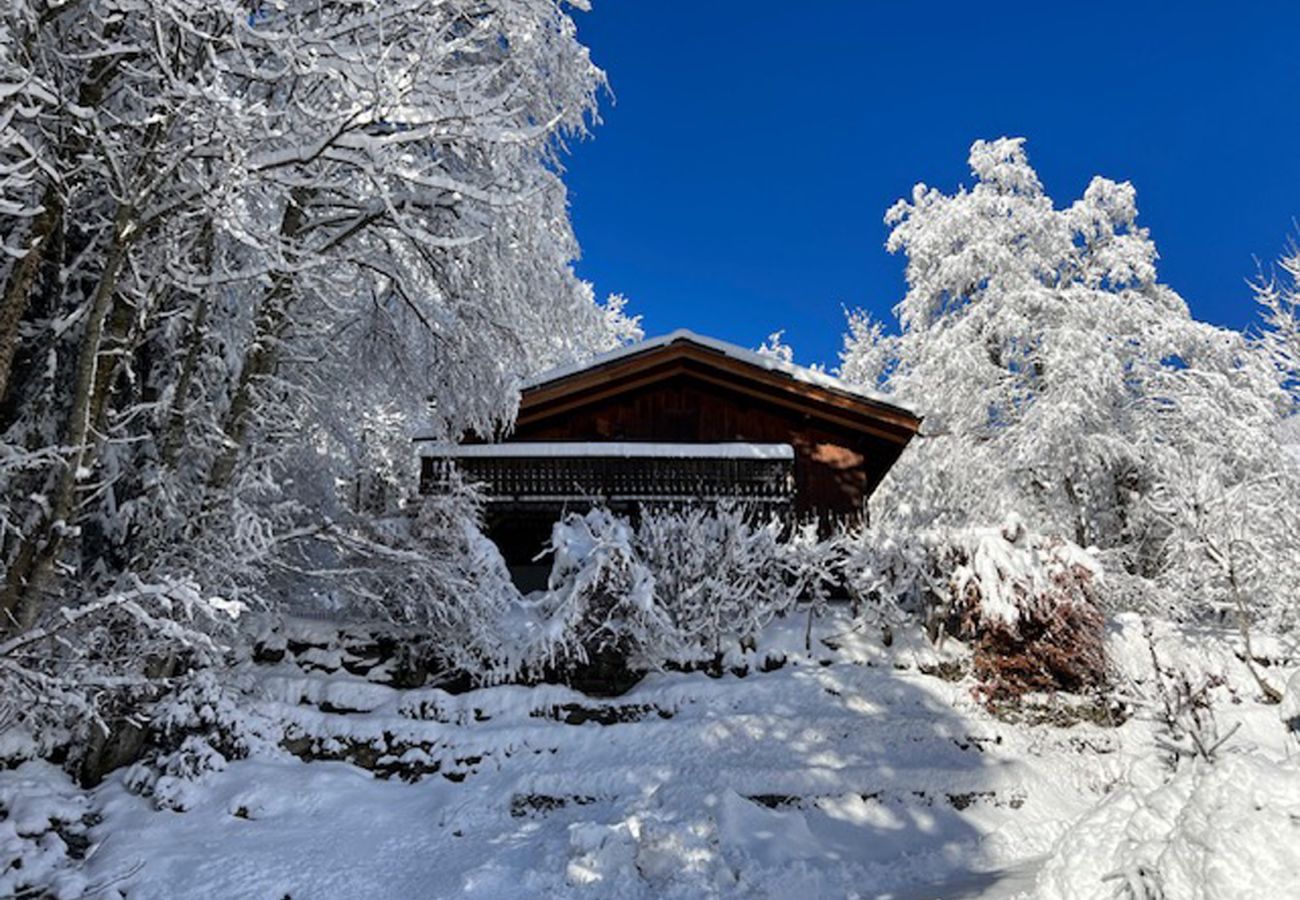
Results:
[813, 567]
[173, 780]
[195, 731]
[1029, 604]
[893, 577]
[1223, 831]
[1026, 601]
[717, 575]
[81, 677]
[1237, 547]
[453, 585]
[430, 571]
[44, 819]
[1183, 710]
[599, 605]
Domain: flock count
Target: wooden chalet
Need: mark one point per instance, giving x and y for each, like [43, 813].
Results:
[672, 420]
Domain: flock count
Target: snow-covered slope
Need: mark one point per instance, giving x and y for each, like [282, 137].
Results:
[853, 771]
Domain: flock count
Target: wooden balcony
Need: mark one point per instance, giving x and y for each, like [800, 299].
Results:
[550, 475]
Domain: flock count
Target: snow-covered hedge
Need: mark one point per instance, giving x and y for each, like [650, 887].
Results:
[679, 587]
[696, 586]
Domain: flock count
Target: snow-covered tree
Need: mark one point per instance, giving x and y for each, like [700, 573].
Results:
[1059, 379]
[776, 348]
[249, 249]
[1279, 295]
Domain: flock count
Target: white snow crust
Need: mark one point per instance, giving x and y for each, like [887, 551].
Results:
[610, 449]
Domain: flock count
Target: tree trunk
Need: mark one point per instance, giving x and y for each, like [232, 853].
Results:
[174, 428]
[1081, 536]
[22, 278]
[115, 345]
[171, 443]
[263, 352]
[18, 602]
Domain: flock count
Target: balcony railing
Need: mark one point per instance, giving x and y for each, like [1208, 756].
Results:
[616, 473]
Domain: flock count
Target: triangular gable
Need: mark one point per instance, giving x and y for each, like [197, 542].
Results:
[811, 392]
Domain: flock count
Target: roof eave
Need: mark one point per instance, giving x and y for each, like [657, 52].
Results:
[788, 371]
[900, 418]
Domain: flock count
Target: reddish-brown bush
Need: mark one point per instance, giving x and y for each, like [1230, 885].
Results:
[1059, 651]
[1027, 602]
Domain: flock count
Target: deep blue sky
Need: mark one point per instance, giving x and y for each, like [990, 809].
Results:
[739, 180]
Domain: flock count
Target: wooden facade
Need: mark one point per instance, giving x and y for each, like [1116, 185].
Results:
[681, 390]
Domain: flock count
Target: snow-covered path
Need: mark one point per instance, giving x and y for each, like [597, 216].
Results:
[847, 775]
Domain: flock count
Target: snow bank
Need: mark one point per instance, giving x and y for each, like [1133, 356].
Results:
[1223, 831]
[844, 771]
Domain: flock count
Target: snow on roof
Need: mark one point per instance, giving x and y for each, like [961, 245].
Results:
[772, 364]
[612, 449]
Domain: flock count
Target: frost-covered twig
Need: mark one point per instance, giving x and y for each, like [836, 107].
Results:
[1185, 713]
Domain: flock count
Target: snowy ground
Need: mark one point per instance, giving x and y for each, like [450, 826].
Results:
[846, 773]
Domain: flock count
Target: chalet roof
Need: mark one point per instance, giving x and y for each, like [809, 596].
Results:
[815, 388]
[734, 351]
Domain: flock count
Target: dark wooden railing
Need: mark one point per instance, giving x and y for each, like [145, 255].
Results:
[553, 479]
